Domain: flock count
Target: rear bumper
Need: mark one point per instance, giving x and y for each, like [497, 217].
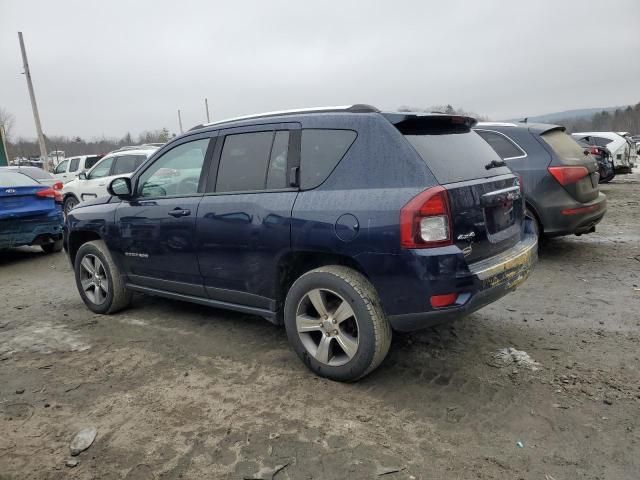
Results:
[577, 218]
[492, 278]
[24, 231]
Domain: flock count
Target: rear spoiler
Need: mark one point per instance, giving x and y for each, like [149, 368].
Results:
[430, 123]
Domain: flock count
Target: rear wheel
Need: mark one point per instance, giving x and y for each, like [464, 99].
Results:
[98, 279]
[69, 203]
[335, 323]
[52, 247]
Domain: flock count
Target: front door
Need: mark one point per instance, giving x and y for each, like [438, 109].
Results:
[244, 221]
[157, 227]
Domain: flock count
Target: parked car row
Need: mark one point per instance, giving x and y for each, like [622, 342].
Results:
[622, 149]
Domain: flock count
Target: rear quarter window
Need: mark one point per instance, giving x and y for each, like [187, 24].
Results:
[91, 161]
[322, 150]
[502, 144]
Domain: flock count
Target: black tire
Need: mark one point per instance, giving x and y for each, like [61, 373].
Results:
[117, 297]
[69, 203]
[53, 247]
[373, 329]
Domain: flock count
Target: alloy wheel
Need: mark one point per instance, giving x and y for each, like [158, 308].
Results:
[327, 327]
[94, 279]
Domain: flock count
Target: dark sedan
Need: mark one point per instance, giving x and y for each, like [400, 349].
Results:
[560, 181]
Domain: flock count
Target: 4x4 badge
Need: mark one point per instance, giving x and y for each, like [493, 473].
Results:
[467, 236]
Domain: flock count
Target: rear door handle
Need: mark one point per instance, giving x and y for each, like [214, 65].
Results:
[180, 212]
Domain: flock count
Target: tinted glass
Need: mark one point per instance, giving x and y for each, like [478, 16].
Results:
[277, 174]
[102, 168]
[562, 144]
[91, 161]
[601, 141]
[453, 153]
[127, 163]
[15, 179]
[243, 163]
[321, 151]
[35, 172]
[73, 165]
[501, 144]
[62, 167]
[176, 172]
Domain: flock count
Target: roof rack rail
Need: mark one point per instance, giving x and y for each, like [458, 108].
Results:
[138, 147]
[356, 108]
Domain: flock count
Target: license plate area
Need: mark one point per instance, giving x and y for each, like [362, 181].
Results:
[500, 217]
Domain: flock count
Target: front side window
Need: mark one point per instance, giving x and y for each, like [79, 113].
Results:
[128, 163]
[73, 165]
[501, 144]
[176, 172]
[102, 169]
[62, 167]
[244, 161]
[321, 151]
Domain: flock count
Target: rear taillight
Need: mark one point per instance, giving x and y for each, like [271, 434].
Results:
[425, 221]
[568, 175]
[58, 186]
[594, 151]
[50, 193]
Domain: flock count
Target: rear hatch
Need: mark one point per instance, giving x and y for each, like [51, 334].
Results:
[575, 171]
[487, 207]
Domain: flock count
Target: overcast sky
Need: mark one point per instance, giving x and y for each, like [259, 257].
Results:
[108, 67]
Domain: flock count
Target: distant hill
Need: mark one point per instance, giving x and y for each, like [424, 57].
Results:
[582, 113]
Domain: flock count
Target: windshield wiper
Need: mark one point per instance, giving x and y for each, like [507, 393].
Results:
[495, 164]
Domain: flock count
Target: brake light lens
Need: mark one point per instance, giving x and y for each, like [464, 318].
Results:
[568, 175]
[425, 221]
[594, 151]
[50, 192]
[58, 186]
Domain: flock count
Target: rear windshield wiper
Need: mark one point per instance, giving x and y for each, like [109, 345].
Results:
[495, 164]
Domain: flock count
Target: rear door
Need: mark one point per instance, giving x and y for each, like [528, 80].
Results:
[156, 229]
[243, 226]
[565, 152]
[485, 197]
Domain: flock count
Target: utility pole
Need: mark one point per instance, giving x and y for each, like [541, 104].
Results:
[34, 106]
[180, 122]
[206, 106]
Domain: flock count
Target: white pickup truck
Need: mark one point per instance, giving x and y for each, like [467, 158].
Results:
[93, 183]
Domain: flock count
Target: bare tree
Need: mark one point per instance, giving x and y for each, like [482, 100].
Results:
[7, 120]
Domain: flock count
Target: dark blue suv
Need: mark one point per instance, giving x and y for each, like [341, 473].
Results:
[340, 223]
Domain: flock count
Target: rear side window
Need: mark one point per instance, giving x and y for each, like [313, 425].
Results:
[128, 163]
[243, 163]
[73, 165]
[501, 144]
[321, 151]
[601, 141]
[15, 179]
[91, 161]
[452, 152]
[562, 144]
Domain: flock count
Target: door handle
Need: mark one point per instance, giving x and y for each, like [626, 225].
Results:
[180, 212]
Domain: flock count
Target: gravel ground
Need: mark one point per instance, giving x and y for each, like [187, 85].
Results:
[183, 391]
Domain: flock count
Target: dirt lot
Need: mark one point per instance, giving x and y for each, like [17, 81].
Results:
[182, 391]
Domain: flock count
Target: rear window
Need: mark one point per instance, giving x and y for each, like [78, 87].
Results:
[452, 152]
[562, 144]
[36, 173]
[15, 179]
[321, 151]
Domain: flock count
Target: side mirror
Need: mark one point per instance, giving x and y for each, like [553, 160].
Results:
[82, 175]
[120, 187]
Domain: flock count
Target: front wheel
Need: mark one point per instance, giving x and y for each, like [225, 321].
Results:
[69, 203]
[98, 279]
[335, 323]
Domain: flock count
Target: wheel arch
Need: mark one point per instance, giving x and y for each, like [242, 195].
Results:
[77, 238]
[295, 264]
[534, 210]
